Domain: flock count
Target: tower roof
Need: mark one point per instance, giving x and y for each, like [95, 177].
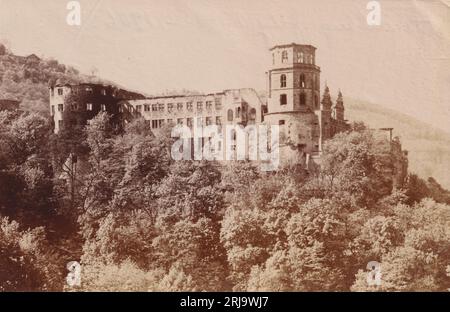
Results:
[339, 101]
[292, 45]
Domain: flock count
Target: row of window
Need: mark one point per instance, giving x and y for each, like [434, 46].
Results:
[230, 114]
[301, 82]
[201, 121]
[60, 91]
[302, 100]
[160, 107]
[230, 117]
[158, 123]
[89, 107]
[300, 57]
[283, 99]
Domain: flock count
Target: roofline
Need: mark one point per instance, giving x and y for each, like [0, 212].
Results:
[293, 44]
[83, 84]
[195, 95]
[180, 96]
[97, 85]
[296, 65]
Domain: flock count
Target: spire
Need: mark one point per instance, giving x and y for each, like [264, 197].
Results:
[326, 99]
[338, 108]
[340, 101]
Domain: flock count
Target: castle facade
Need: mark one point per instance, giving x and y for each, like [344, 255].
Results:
[293, 103]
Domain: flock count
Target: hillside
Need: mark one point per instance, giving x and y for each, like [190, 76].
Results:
[429, 148]
[26, 78]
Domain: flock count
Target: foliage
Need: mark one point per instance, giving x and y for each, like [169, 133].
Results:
[27, 79]
[27, 262]
[138, 221]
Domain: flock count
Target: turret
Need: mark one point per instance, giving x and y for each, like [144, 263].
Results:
[326, 100]
[325, 116]
[338, 108]
[294, 79]
[294, 98]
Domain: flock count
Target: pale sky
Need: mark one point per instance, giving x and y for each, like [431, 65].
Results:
[154, 45]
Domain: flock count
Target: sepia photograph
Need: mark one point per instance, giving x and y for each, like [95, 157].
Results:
[243, 148]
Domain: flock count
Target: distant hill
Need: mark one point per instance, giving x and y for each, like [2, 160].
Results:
[429, 148]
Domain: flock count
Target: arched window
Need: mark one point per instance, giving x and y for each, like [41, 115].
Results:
[311, 59]
[302, 98]
[302, 81]
[284, 57]
[238, 112]
[283, 81]
[230, 115]
[316, 101]
[301, 57]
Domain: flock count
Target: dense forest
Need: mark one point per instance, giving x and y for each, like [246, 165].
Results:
[115, 201]
[137, 220]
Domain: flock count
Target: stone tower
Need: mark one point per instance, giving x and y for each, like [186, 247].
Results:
[293, 97]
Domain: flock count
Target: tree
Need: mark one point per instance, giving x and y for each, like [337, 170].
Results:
[192, 248]
[318, 238]
[416, 256]
[119, 206]
[26, 262]
[274, 275]
[246, 243]
[191, 190]
[437, 192]
[357, 165]
[125, 276]
[2, 49]
[26, 171]
[416, 189]
[104, 172]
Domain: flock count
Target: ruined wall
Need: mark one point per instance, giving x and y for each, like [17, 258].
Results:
[76, 104]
